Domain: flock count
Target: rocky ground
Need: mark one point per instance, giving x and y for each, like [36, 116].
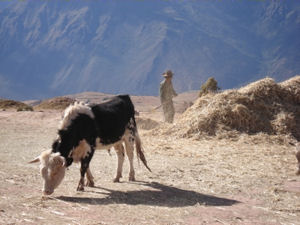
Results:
[208, 181]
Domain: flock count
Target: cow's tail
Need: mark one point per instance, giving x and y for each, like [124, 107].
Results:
[139, 150]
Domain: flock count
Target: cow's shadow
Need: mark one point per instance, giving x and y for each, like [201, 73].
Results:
[162, 195]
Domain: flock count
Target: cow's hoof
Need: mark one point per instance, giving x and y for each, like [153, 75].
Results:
[116, 180]
[131, 178]
[80, 188]
[90, 183]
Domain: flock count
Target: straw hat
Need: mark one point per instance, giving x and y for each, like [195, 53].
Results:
[168, 73]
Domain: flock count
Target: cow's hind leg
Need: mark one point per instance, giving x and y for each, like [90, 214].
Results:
[90, 178]
[85, 162]
[129, 146]
[120, 153]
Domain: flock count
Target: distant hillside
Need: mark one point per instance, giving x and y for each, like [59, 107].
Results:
[142, 103]
[54, 48]
[58, 103]
[7, 104]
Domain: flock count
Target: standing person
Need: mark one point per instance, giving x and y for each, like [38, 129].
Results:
[166, 93]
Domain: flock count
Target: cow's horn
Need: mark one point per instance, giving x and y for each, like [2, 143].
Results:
[37, 159]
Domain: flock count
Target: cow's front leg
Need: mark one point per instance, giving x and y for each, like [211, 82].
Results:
[83, 169]
[120, 153]
[85, 162]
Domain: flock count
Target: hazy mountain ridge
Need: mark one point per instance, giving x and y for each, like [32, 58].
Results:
[56, 48]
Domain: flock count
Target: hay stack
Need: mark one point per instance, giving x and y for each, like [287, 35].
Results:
[263, 106]
[292, 87]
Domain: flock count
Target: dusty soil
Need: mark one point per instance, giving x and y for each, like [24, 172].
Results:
[193, 182]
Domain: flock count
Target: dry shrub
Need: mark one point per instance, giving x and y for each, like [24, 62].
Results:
[211, 85]
[59, 103]
[24, 108]
[260, 107]
[11, 104]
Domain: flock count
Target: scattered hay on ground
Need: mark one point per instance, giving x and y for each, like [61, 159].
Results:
[146, 123]
[59, 103]
[262, 107]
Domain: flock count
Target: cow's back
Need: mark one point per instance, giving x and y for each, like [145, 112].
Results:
[112, 118]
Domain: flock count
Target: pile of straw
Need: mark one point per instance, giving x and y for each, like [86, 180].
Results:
[146, 123]
[260, 107]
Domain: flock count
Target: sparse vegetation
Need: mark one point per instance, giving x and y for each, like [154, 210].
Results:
[25, 108]
[6, 104]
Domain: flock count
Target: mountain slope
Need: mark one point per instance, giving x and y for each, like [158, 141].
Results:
[50, 48]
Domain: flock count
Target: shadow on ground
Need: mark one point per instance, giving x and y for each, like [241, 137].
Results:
[163, 195]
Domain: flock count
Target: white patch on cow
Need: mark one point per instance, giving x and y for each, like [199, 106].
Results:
[81, 151]
[131, 124]
[72, 111]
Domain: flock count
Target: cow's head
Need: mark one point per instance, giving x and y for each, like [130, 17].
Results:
[52, 169]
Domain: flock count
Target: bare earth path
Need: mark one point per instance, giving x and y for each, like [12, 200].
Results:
[193, 182]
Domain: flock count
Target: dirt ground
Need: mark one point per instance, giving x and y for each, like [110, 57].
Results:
[193, 182]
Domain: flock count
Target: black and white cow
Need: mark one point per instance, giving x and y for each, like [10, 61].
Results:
[86, 128]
